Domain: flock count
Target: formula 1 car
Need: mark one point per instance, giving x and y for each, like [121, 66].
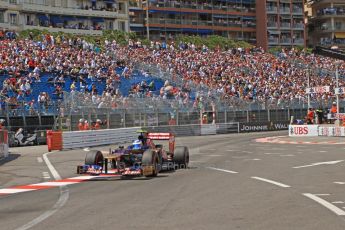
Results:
[142, 158]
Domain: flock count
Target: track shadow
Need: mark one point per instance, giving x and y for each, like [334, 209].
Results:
[126, 178]
[11, 157]
[143, 178]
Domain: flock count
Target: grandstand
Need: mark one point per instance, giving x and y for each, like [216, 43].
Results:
[178, 76]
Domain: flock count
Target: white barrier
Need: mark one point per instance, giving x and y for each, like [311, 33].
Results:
[98, 137]
[208, 129]
[316, 130]
[332, 131]
[303, 130]
[3, 143]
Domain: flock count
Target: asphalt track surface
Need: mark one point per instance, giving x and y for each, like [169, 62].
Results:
[232, 183]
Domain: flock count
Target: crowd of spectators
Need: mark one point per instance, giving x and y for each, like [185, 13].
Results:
[246, 74]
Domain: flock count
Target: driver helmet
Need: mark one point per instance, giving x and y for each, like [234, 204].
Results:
[98, 121]
[137, 145]
[81, 120]
[2, 121]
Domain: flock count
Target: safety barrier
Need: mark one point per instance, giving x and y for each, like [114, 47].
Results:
[331, 131]
[3, 143]
[316, 130]
[58, 140]
[196, 130]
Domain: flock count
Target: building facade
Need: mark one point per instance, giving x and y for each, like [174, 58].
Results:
[327, 24]
[280, 23]
[265, 23]
[166, 19]
[70, 16]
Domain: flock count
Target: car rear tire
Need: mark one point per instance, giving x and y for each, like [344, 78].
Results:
[150, 158]
[94, 158]
[181, 157]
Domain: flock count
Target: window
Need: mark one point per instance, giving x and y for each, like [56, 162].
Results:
[2, 17]
[13, 1]
[13, 19]
[110, 25]
[122, 8]
[338, 25]
[122, 26]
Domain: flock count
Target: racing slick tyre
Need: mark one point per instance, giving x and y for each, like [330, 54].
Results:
[181, 157]
[94, 158]
[150, 163]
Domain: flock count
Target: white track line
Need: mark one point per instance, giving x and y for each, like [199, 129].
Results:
[319, 163]
[64, 195]
[39, 160]
[51, 167]
[12, 190]
[222, 170]
[271, 182]
[326, 204]
[247, 152]
[45, 175]
[338, 202]
[338, 182]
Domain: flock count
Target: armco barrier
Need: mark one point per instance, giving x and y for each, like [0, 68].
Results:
[178, 130]
[58, 140]
[227, 128]
[196, 130]
[209, 129]
[3, 143]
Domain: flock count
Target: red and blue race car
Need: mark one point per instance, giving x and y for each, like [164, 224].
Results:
[142, 158]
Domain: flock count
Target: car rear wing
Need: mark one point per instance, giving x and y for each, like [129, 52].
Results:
[164, 136]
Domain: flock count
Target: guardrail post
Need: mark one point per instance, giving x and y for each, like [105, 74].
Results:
[268, 115]
[40, 120]
[140, 120]
[177, 117]
[157, 123]
[247, 116]
[124, 119]
[108, 119]
[225, 116]
[24, 120]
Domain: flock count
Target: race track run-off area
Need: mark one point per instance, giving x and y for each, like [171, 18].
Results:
[233, 182]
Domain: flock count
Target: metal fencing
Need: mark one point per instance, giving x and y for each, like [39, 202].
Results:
[154, 111]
